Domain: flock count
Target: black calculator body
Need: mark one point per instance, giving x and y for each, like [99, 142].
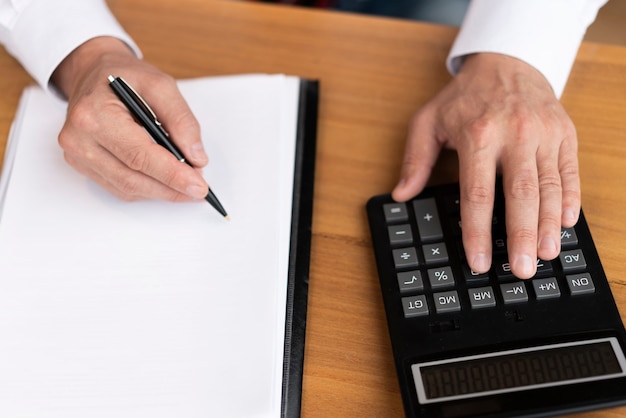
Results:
[468, 344]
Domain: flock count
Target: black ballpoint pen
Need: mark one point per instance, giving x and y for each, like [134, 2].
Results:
[144, 114]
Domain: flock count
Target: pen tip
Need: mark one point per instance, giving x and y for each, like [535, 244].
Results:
[227, 217]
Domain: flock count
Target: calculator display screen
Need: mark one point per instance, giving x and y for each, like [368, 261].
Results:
[517, 370]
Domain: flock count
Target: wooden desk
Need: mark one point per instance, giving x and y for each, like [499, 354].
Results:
[374, 73]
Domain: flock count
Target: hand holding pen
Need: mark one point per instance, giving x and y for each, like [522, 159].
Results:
[102, 140]
[146, 117]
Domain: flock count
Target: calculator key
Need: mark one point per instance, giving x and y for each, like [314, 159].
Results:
[440, 277]
[481, 297]
[580, 284]
[497, 224]
[572, 260]
[447, 302]
[568, 237]
[428, 223]
[410, 281]
[414, 306]
[435, 253]
[503, 269]
[514, 292]
[395, 212]
[471, 276]
[498, 245]
[544, 268]
[400, 234]
[547, 288]
[405, 257]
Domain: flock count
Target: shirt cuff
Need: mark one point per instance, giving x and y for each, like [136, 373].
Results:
[544, 34]
[48, 31]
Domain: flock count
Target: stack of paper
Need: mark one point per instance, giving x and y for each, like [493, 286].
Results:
[149, 309]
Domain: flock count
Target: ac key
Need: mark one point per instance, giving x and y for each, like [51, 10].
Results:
[572, 260]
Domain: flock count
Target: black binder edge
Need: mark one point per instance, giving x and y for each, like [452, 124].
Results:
[300, 249]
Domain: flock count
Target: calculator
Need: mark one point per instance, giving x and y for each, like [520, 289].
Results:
[468, 344]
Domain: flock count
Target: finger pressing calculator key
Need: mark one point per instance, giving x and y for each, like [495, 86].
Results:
[468, 344]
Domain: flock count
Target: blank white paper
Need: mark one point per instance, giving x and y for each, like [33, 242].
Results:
[149, 309]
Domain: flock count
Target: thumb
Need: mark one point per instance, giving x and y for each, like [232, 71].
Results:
[420, 155]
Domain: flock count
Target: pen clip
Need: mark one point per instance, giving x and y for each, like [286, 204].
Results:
[141, 102]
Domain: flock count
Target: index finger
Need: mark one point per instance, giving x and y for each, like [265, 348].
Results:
[477, 174]
[176, 116]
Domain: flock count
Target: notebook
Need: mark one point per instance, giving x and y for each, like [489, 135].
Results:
[110, 308]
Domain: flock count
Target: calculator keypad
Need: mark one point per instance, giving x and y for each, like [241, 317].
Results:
[434, 279]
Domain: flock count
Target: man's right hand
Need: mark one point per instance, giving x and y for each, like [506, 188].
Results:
[101, 139]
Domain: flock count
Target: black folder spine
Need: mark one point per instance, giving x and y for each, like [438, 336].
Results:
[300, 249]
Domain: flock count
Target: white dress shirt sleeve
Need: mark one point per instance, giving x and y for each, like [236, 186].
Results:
[41, 33]
[543, 33]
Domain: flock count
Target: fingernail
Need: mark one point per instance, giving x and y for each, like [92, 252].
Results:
[197, 191]
[524, 266]
[480, 263]
[569, 216]
[399, 185]
[547, 244]
[198, 153]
